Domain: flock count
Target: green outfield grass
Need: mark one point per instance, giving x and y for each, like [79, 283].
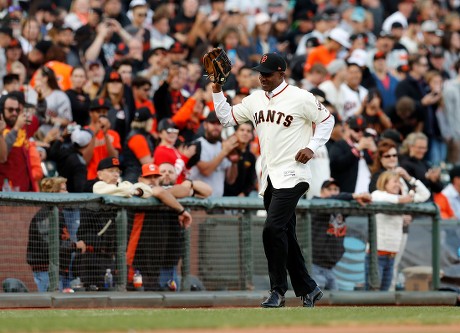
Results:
[124, 320]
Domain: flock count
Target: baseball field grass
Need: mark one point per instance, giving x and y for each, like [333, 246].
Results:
[138, 320]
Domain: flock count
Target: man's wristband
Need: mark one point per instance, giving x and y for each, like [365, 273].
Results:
[181, 212]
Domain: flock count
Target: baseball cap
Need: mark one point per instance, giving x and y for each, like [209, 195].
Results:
[150, 170]
[177, 47]
[340, 36]
[358, 14]
[397, 25]
[436, 52]
[380, 55]
[137, 3]
[358, 57]
[114, 76]
[64, 27]
[43, 46]
[429, 26]
[99, 103]
[14, 43]
[165, 124]
[391, 134]
[329, 182]
[142, 114]
[81, 137]
[122, 49]
[242, 91]
[319, 94]
[335, 66]
[356, 123]
[261, 18]
[6, 30]
[156, 50]
[312, 42]
[271, 62]
[212, 118]
[108, 162]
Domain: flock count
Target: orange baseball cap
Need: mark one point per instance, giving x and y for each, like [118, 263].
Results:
[150, 170]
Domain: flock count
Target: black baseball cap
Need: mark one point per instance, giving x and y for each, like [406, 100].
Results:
[454, 172]
[329, 182]
[165, 124]
[271, 62]
[107, 163]
[212, 118]
[357, 122]
[99, 103]
[142, 114]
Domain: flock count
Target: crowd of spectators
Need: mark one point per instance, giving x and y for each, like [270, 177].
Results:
[86, 80]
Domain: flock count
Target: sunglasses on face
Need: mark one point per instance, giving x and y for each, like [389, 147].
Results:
[390, 156]
[11, 110]
[172, 130]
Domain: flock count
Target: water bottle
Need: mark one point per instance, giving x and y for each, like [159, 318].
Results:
[6, 186]
[137, 280]
[108, 279]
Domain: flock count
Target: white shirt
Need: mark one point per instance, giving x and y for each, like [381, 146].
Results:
[284, 126]
[351, 99]
[454, 199]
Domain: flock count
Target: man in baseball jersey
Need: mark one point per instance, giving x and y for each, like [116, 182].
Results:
[282, 115]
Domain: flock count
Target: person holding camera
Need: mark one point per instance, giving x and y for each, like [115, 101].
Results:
[350, 157]
[106, 141]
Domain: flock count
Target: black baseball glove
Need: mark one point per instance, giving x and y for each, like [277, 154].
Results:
[217, 65]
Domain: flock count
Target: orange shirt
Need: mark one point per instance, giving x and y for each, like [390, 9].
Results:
[445, 210]
[100, 150]
[62, 72]
[319, 54]
[139, 146]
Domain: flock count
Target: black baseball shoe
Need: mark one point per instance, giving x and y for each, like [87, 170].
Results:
[310, 299]
[275, 300]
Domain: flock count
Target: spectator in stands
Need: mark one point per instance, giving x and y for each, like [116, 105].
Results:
[38, 243]
[113, 9]
[435, 122]
[16, 168]
[326, 53]
[96, 74]
[218, 160]
[322, 22]
[160, 31]
[30, 34]
[328, 233]
[188, 188]
[452, 191]
[404, 116]
[142, 87]
[415, 86]
[450, 93]
[118, 113]
[157, 69]
[140, 145]
[350, 157]
[372, 111]
[139, 26]
[10, 83]
[390, 227]
[405, 8]
[156, 237]
[58, 111]
[385, 82]
[352, 92]
[246, 181]
[166, 152]
[79, 99]
[413, 151]
[78, 14]
[65, 39]
[106, 141]
[337, 70]
[313, 77]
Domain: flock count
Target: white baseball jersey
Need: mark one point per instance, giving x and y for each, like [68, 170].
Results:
[284, 125]
[351, 100]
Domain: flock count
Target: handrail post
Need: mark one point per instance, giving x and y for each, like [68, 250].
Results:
[53, 249]
[373, 278]
[185, 269]
[436, 235]
[246, 251]
[308, 247]
[122, 230]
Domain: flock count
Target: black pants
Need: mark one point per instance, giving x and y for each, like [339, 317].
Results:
[280, 241]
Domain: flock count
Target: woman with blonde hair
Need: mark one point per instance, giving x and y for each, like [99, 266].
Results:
[30, 34]
[390, 227]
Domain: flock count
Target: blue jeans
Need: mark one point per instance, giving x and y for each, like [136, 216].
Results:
[324, 277]
[42, 280]
[386, 263]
